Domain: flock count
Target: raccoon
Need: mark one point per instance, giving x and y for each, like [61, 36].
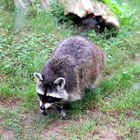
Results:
[76, 64]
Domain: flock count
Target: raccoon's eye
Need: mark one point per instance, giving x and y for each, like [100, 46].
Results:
[41, 97]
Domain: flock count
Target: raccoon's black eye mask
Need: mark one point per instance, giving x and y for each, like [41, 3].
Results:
[48, 99]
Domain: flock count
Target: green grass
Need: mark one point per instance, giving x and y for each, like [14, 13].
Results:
[23, 53]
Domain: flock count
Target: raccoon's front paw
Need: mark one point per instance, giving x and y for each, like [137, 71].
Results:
[63, 114]
[44, 113]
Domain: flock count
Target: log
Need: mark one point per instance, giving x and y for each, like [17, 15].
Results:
[78, 7]
[83, 8]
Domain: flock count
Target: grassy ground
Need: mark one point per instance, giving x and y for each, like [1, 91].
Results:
[112, 111]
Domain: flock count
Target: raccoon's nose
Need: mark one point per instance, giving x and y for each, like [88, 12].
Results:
[42, 107]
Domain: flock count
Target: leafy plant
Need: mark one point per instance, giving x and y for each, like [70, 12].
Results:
[7, 4]
[125, 14]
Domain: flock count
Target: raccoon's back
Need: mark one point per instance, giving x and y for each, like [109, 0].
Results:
[88, 59]
[78, 48]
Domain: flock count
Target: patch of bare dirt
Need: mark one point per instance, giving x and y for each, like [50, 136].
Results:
[103, 131]
[9, 103]
[6, 134]
[28, 124]
[93, 114]
[56, 130]
[108, 133]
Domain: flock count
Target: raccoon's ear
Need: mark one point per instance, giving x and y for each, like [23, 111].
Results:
[38, 77]
[60, 82]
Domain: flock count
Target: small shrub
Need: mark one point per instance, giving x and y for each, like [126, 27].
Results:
[124, 12]
[7, 5]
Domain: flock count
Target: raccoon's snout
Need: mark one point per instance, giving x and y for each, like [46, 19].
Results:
[42, 107]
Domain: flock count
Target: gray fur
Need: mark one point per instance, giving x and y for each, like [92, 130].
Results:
[76, 60]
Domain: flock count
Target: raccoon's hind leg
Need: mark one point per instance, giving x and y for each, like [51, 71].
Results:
[96, 82]
[92, 85]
